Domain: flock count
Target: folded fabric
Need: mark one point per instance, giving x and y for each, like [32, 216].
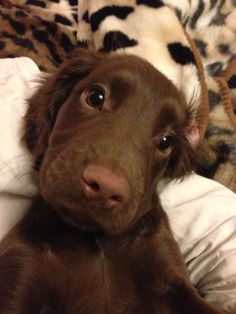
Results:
[17, 182]
[202, 215]
[202, 212]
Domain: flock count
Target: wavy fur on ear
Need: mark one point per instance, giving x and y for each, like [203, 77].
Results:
[188, 153]
[54, 91]
[184, 159]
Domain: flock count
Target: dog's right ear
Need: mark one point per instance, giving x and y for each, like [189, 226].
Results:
[45, 104]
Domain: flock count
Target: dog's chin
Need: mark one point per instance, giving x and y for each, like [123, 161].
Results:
[110, 225]
[114, 222]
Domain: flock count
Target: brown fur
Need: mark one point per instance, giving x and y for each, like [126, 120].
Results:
[69, 255]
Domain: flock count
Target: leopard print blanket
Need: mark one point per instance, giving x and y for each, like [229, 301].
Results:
[191, 41]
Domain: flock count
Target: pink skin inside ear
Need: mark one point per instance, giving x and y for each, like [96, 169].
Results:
[192, 134]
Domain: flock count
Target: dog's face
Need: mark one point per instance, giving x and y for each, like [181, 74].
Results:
[103, 131]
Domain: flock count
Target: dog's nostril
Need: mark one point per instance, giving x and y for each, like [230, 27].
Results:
[95, 186]
[117, 198]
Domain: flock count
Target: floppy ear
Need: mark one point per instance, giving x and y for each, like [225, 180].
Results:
[188, 154]
[45, 104]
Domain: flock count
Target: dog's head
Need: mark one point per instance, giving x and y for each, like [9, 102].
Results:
[103, 130]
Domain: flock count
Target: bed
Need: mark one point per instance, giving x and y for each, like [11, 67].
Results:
[36, 36]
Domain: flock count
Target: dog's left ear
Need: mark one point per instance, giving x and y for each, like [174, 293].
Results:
[50, 97]
[192, 134]
[187, 154]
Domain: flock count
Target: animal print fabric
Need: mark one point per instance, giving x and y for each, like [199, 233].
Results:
[48, 30]
[42, 30]
[212, 26]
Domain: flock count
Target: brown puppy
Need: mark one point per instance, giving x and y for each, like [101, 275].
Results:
[103, 131]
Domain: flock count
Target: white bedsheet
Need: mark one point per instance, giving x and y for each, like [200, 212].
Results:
[17, 185]
[202, 212]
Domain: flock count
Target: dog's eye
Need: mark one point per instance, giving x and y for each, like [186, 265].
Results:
[166, 143]
[95, 98]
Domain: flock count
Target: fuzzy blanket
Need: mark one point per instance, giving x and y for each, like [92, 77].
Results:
[191, 41]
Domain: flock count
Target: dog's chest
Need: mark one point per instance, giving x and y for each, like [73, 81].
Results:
[103, 283]
[104, 280]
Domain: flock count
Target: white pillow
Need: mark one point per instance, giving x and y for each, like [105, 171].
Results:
[202, 212]
[17, 182]
[202, 215]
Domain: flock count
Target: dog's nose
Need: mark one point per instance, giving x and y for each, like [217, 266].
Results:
[99, 182]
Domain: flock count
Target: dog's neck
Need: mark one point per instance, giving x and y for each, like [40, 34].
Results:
[44, 223]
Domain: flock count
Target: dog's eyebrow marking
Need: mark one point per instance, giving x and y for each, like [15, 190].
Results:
[166, 119]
